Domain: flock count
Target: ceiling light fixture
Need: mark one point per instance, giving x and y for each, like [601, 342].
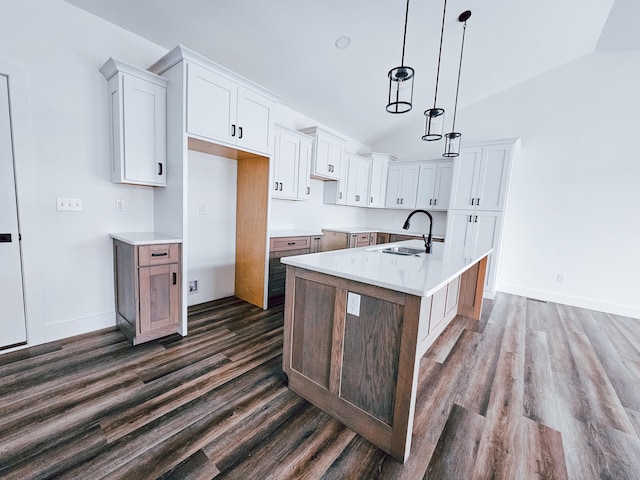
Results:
[452, 139]
[435, 116]
[343, 41]
[401, 81]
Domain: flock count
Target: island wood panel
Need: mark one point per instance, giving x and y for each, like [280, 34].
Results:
[471, 288]
[383, 410]
[312, 331]
[126, 286]
[371, 356]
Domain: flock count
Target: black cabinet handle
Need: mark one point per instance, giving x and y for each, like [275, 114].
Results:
[5, 238]
[276, 186]
[397, 201]
[233, 130]
[340, 196]
[175, 278]
[430, 201]
[478, 201]
[308, 190]
[470, 218]
[291, 243]
[435, 201]
[163, 254]
[476, 219]
[159, 169]
[472, 201]
[357, 198]
[240, 128]
[280, 186]
[371, 201]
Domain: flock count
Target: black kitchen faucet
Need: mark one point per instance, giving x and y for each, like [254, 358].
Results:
[427, 240]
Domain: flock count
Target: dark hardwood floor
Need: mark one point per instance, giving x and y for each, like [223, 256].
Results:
[533, 390]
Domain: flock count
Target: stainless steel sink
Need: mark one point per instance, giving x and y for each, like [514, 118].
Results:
[403, 250]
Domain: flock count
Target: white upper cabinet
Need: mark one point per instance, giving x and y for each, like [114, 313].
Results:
[402, 185]
[219, 106]
[480, 177]
[434, 185]
[378, 179]
[357, 191]
[137, 111]
[221, 110]
[327, 154]
[290, 165]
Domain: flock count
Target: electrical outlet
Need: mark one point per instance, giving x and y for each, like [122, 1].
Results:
[119, 205]
[68, 204]
[202, 209]
[561, 278]
[193, 286]
[353, 304]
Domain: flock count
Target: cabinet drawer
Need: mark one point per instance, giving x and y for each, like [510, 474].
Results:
[289, 243]
[158, 254]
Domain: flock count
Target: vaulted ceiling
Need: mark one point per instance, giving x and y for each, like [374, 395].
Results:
[288, 46]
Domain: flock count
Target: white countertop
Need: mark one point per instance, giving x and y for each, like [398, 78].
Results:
[279, 233]
[144, 238]
[420, 275]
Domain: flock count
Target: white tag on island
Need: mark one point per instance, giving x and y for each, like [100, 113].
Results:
[353, 304]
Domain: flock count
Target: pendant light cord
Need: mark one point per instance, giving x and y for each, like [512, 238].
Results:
[455, 108]
[404, 39]
[435, 97]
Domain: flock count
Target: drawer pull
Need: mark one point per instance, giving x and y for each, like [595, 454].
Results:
[291, 243]
[163, 254]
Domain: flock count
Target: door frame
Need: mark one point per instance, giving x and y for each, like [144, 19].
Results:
[19, 109]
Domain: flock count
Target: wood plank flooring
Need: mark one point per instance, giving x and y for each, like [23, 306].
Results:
[533, 390]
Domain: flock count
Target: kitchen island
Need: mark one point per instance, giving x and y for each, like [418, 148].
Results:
[358, 321]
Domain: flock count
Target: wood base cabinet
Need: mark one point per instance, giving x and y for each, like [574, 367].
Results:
[147, 290]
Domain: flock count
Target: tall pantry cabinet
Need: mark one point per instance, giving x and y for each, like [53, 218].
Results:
[478, 200]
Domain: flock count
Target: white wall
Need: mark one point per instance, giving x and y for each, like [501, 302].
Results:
[67, 255]
[212, 195]
[574, 202]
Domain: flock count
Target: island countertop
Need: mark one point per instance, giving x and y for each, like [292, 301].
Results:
[421, 275]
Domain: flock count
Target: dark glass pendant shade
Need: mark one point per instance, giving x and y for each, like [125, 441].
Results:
[452, 144]
[400, 89]
[434, 124]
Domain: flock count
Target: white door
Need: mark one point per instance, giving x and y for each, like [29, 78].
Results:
[427, 186]
[12, 318]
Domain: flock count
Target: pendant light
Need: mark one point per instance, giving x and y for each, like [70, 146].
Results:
[452, 139]
[435, 116]
[401, 81]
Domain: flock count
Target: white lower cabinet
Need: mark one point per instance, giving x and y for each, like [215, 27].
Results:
[468, 230]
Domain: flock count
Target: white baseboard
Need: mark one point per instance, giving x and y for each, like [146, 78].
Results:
[588, 303]
[78, 326]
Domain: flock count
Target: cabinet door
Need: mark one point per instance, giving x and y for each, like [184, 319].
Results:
[444, 182]
[159, 297]
[253, 121]
[211, 105]
[485, 235]
[357, 181]
[427, 186]
[323, 162]
[144, 132]
[466, 170]
[492, 178]
[340, 169]
[393, 187]
[459, 231]
[285, 174]
[304, 169]
[409, 190]
[378, 182]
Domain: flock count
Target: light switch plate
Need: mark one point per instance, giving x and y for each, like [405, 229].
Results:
[68, 204]
[353, 304]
